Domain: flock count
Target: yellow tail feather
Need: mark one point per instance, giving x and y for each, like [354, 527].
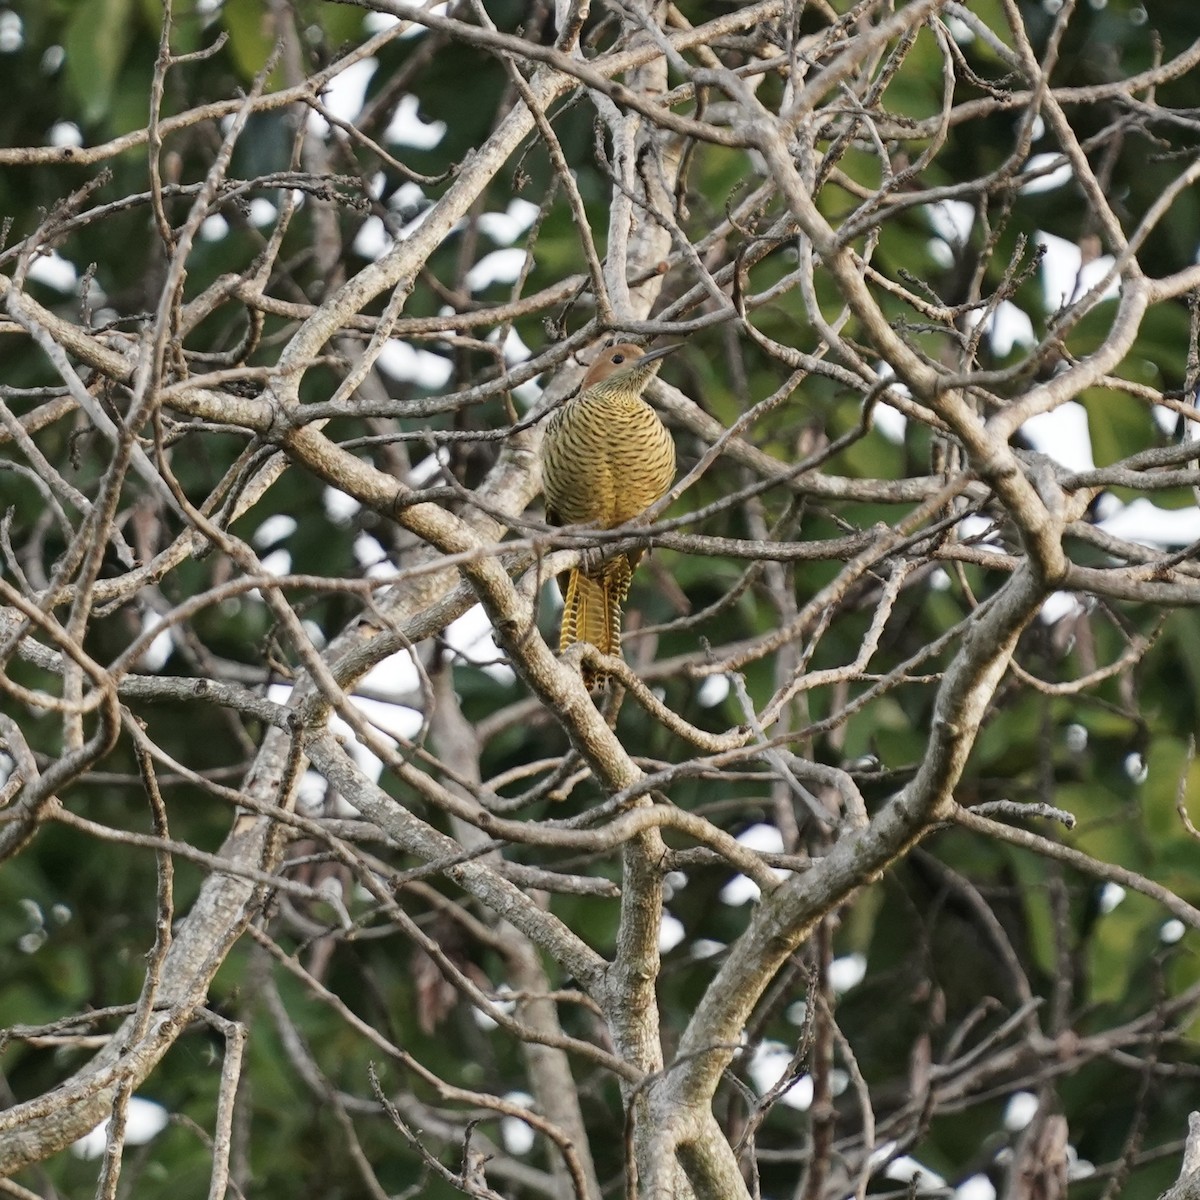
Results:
[592, 610]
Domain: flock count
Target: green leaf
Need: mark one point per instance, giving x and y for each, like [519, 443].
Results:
[1118, 946]
[96, 43]
[251, 37]
[1117, 427]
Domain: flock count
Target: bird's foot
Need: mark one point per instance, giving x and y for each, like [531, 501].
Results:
[591, 559]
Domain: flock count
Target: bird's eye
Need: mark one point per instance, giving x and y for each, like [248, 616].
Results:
[617, 359]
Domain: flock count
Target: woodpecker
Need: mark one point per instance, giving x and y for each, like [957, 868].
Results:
[606, 457]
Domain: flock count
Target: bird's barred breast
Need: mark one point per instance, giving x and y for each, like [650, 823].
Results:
[606, 461]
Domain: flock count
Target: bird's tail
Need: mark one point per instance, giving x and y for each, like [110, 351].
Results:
[592, 610]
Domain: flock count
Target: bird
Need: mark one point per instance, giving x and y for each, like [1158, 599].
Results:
[606, 457]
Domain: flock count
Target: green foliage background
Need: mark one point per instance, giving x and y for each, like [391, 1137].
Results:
[930, 960]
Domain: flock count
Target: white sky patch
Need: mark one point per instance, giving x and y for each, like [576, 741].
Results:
[213, 228]
[382, 571]
[1063, 434]
[310, 794]
[1057, 173]
[706, 948]
[1078, 1168]
[881, 1154]
[1064, 276]
[673, 882]
[35, 938]
[906, 1169]
[552, 598]
[407, 129]
[670, 933]
[344, 95]
[409, 227]
[1059, 605]
[1010, 326]
[410, 206]
[416, 29]
[939, 580]
[975, 526]
[500, 266]
[12, 32]
[504, 228]
[377, 22]
[713, 691]
[485, 1020]
[274, 529]
[155, 656]
[766, 1068]
[1167, 419]
[1137, 770]
[395, 677]
[1111, 894]
[847, 972]
[516, 352]
[1076, 737]
[427, 468]
[1020, 1110]
[472, 637]
[1171, 931]
[941, 254]
[277, 563]
[951, 220]
[65, 133]
[376, 184]
[527, 395]
[740, 890]
[409, 364]
[372, 239]
[395, 720]
[1147, 524]
[367, 551]
[339, 506]
[144, 1120]
[391, 721]
[960, 31]
[764, 839]
[408, 195]
[262, 212]
[518, 1138]
[54, 271]
[977, 1187]
[890, 422]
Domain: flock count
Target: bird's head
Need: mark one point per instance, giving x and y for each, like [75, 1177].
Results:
[624, 369]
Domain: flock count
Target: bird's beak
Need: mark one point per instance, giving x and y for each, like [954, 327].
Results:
[661, 352]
